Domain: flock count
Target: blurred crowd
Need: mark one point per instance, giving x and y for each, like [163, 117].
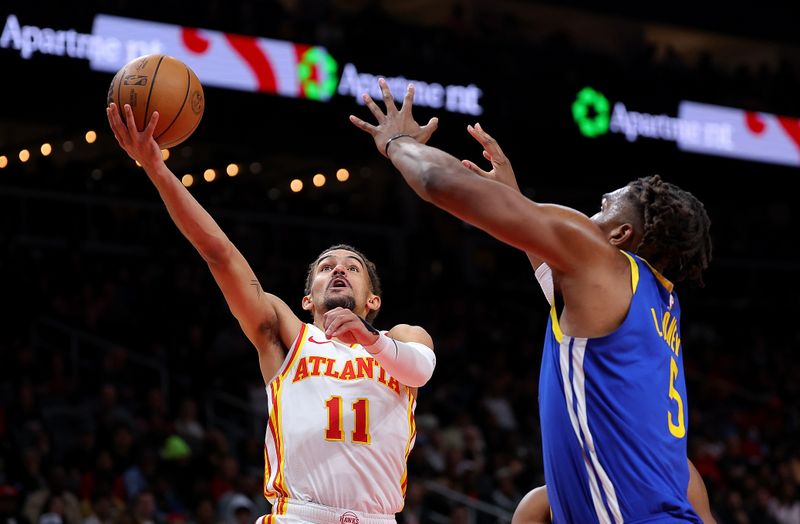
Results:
[130, 396]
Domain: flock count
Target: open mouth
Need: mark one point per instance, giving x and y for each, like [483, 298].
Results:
[338, 283]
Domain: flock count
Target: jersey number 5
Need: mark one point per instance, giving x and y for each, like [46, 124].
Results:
[334, 430]
[677, 430]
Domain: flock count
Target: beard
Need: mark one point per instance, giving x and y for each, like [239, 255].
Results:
[343, 301]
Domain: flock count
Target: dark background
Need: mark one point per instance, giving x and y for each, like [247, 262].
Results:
[112, 328]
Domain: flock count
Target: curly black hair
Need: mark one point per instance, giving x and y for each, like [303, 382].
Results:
[676, 236]
[372, 272]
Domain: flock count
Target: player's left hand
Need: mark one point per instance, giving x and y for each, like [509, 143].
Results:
[394, 122]
[348, 327]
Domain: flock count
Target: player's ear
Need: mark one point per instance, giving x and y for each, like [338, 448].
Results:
[307, 303]
[373, 302]
[621, 235]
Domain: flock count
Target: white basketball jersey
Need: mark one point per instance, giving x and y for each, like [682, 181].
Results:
[340, 428]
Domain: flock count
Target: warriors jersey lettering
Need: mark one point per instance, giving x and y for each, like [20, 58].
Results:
[339, 430]
[614, 414]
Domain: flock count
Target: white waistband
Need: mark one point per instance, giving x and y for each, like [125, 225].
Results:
[319, 514]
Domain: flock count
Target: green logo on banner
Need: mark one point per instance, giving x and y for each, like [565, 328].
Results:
[323, 87]
[590, 110]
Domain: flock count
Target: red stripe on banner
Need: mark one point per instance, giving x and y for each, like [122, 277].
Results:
[193, 41]
[299, 51]
[247, 48]
[792, 128]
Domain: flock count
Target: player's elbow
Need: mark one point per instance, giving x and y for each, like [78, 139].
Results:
[216, 251]
[418, 378]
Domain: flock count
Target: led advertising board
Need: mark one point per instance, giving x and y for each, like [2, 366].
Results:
[697, 128]
[229, 61]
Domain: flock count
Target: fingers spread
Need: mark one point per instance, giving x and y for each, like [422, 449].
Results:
[408, 101]
[117, 125]
[151, 126]
[130, 121]
[373, 108]
[388, 99]
[475, 169]
[364, 126]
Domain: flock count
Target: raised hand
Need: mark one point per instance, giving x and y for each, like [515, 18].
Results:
[139, 145]
[501, 166]
[395, 122]
[348, 327]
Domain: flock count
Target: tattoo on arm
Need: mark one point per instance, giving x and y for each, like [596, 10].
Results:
[257, 286]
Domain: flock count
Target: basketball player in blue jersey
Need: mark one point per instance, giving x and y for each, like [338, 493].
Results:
[534, 507]
[341, 395]
[611, 390]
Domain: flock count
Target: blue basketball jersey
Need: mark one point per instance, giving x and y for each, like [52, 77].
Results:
[614, 414]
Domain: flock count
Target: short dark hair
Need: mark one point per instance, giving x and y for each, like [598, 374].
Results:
[676, 237]
[372, 271]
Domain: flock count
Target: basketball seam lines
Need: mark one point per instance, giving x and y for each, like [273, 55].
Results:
[185, 98]
[150, 94]
[119, 92]
[181, 139]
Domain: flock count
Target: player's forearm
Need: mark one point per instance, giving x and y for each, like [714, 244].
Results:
[430, 172]
[188, 215]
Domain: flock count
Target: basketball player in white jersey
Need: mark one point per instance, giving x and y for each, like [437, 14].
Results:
[341, 394]
[534, 507]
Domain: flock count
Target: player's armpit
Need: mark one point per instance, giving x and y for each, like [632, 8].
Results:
[262, 316]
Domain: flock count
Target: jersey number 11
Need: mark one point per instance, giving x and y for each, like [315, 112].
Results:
[334, 430]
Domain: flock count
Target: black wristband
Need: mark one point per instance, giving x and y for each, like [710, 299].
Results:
[369, 327]
[395, 137]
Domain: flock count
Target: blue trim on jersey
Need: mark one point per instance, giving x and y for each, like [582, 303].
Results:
[614, 416]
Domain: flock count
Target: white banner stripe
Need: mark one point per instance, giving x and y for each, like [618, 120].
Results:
[594, 488]
[578, 376]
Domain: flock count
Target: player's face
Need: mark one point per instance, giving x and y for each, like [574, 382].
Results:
[612, 209]
[619, 219]
[340, 280]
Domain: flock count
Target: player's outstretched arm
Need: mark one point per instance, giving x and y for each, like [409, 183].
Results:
[563, 237]
[266, 320]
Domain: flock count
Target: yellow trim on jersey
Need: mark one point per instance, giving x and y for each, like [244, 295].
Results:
[279, 484]
[634, 271]
[556, 327]
[268, 494]
[280, 481]
[280, 506]
[669, 286]
[301, 341]
[412, 431]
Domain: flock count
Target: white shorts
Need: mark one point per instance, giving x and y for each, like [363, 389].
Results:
[291, 511]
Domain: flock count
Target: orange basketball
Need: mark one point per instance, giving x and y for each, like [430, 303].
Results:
[160, 83]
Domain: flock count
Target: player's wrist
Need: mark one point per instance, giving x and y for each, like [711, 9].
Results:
[379, 345]
[392, 139]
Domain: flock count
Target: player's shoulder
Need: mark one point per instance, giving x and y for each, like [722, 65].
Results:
[411, 333]
[534, 508]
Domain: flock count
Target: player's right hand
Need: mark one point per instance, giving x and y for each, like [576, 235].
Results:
[139, 145]
[394, 122]
[501, 166]
[345, 325]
